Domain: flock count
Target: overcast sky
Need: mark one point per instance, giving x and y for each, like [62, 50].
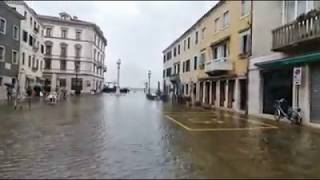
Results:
[137, 32]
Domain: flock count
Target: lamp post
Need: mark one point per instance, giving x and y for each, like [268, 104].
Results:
[118, 77]
[149, 76]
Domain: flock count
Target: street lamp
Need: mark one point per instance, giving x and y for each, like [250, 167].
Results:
[118, 77]
[149, 76]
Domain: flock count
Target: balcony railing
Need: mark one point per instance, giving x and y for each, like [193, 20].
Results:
[174, 78]
[305, 28]
[220, 64]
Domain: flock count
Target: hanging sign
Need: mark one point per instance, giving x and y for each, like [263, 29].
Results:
[297, 75]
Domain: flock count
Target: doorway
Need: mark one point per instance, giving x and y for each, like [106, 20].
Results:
[277, 84]
[230, 93]
[213, 95]
[243, 94]
[222, 93]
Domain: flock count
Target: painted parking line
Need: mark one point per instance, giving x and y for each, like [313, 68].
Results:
[218, 129]
[228, 115]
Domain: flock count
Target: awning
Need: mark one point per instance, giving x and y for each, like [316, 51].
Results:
[290, 61]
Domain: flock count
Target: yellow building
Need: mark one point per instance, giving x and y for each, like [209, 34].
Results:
[213, 57]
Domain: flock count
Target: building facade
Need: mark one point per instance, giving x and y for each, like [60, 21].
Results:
[31, 47]
[9, 47]
[285, 42]
[210, 59]
[74, 54]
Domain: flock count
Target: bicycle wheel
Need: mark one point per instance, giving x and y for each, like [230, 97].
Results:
[297, 118]
[277, 115]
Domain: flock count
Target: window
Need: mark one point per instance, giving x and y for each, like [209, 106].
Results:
[63, 52]
[15, 57]
[2, 53]
[23, 58]
[220, 51]
[245, 43]
[77, 66]
[169, 72]
[294, 8]
[47, 63]
[187, 89]
[188, 42]
[31, 40]
[25, 36]
[3, 25]
[216, 25]
[98, 56]
[245, 8]
[183, 66]
[197, 37]
[94, 54]
[202, 60]
[33, 61]
[31, 21]
[184, 45]
[42, 49]
[64, 33]
[15, 33]
[63, 64]
[195, 63]
[48, 32]
[29, 61]
[226, 19]
[175, 52]
[203, 33]
[78, 35]
[78, 52]
[63, 82]
[0, 81]
[41, 65]
[169, 55]
[48, 49]
[188, 65]
[25, 14]
[164, 58]
[179, 49]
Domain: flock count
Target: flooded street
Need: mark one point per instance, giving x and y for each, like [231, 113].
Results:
[105, 136]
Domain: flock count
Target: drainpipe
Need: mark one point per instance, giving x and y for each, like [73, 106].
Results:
[248, 60]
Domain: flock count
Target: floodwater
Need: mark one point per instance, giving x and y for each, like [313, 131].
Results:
[104, 136]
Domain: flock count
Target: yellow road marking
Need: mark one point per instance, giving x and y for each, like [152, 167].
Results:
[218, 129]
[228, 115]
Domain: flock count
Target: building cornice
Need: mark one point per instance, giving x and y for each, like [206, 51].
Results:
[194, 25]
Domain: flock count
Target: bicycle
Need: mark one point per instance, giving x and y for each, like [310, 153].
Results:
[283, 110]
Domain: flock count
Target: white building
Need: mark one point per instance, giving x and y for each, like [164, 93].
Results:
[284, 40]
[31, 46]
[75, 52]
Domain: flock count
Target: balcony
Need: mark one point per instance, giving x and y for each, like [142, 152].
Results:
[174, 78]
[303, 32]
[218, 65]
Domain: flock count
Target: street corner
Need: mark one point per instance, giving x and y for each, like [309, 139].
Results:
[215, 121]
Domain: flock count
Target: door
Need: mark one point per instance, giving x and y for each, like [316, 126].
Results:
[213, 95]
[207, 92]
[277, 84]
[230, 93]
[222, 92]
[201, 92]
[315, 93]
[243, 94]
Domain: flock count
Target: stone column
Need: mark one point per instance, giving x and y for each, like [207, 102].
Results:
[226, 97]
[197, 91]
[217, 103]
[53, 82]
[204, 92]
[210, 93]
[237, 95]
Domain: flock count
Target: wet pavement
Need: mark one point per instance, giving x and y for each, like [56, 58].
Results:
[104, 136]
